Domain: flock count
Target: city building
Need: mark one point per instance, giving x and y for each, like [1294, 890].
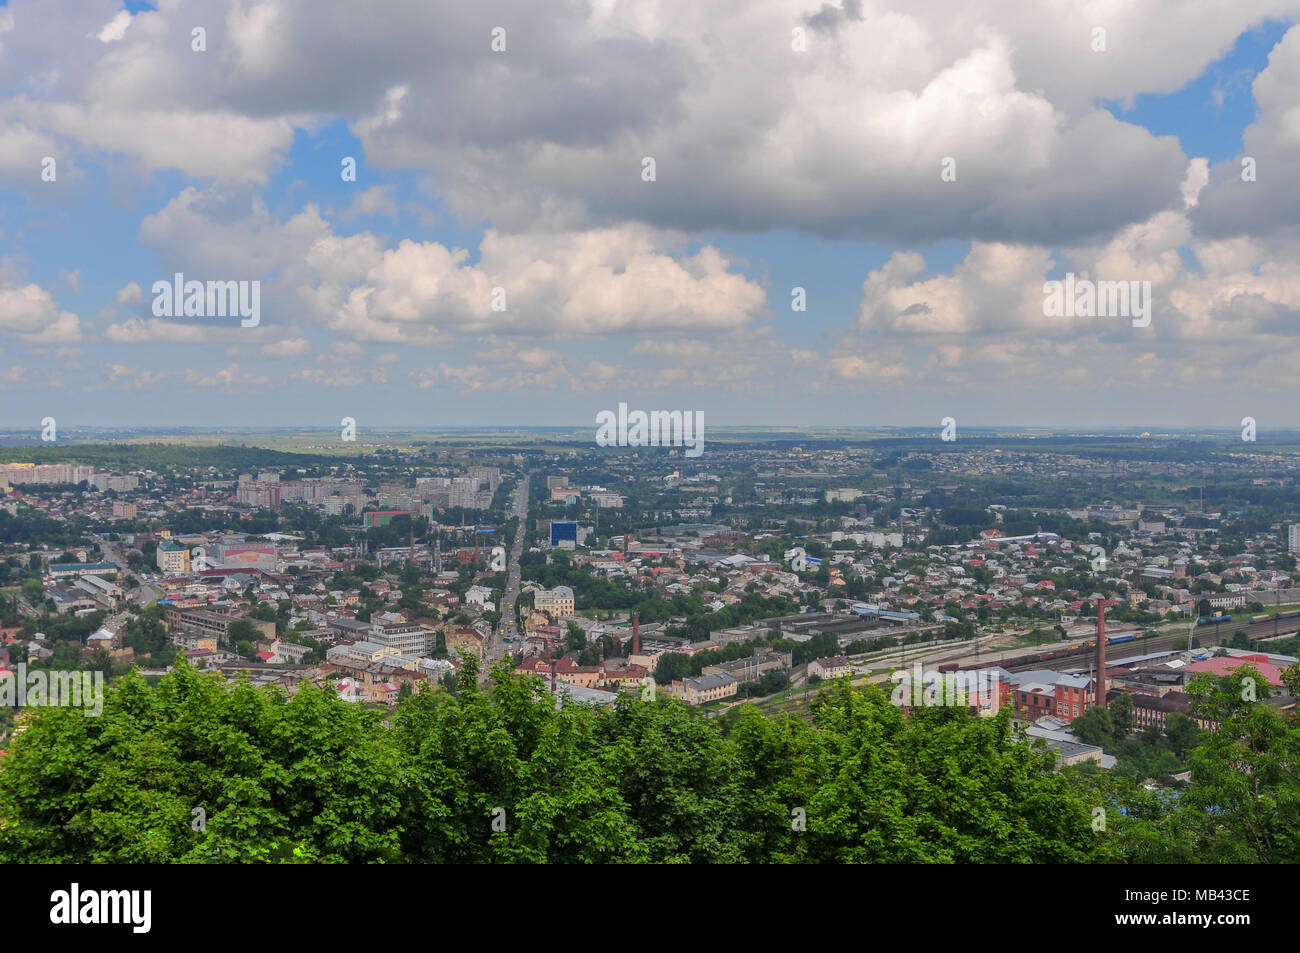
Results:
[64, 570]
[172, 557]
[837, 666]
[563, 530]
[557, 602]
[232, 553]
[706, 688]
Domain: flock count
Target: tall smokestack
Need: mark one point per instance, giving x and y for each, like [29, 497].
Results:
[636, 634]
[1101, 653]
[552, 676]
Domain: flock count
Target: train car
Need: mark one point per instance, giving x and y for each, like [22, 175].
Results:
[1260, 618]
[1293, 614]
[1213, 620]
[1112, 639]
[949, 667]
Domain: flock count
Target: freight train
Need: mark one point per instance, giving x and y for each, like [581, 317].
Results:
[1040, 657]
[1084, 648]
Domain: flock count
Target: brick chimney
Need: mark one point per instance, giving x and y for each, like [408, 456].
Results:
[1101, 653]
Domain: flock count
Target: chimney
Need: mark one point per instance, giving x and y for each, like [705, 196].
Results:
[636, 635]
[1101, 653]
[552, 676]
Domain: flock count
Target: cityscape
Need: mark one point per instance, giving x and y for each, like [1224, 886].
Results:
[1116, 609]
[851, 432]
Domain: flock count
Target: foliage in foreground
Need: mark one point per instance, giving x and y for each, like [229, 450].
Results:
[499, 775]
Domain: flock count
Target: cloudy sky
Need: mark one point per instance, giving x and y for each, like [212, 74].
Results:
[501, 152]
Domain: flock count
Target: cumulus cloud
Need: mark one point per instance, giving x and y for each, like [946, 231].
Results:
[29, 313]
[1258, 190]
[843, 138]
[1222, 310]
[585, 283]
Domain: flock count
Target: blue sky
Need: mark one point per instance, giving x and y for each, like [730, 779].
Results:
[777, 169]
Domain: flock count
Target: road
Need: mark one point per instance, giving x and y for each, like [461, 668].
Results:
[497, 645]
[147, 592]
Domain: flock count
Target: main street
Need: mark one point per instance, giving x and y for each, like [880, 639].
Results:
[147, 592]
[507, 628]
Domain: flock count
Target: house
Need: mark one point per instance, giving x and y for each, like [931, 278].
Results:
[836, 666]
[464, 642]
[480, 596]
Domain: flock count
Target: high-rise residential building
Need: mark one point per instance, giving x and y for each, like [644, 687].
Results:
[258, 493]
[1293, 538]
[119, 484]
[19, 473]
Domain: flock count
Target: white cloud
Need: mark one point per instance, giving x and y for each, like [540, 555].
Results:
[115, 28]
[30, 313]
[289, 347]
[376, 200]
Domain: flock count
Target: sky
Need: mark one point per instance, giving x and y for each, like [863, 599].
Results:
[503, 255]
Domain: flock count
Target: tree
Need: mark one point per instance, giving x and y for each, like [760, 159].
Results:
[241, 630]
[33, 590]
[1095, 726]
[1244, 799]
[310, 778]
[672, 666]
[1122, 718]
[1183, 733]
